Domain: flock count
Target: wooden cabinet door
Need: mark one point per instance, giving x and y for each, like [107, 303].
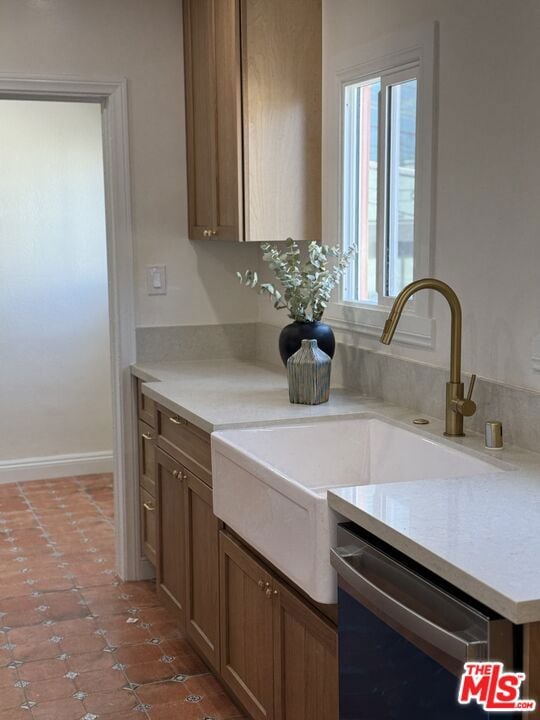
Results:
[213, 117]
[306, 662]
[282, 115]
[246, 629]
[202, 554]
[146, 458]
[229, 151]
[171, 535]
[148, 525]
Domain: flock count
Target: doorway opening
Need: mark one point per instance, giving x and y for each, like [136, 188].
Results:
[64, 294]
[54, 345]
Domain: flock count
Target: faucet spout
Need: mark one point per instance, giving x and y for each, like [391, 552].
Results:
[456, 321]
[456, 404]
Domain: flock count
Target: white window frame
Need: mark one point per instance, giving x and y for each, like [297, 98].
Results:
[393, 59]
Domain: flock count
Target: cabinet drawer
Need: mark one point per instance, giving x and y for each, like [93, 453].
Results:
[185, 442]
[147, 456]
[148, 525]
[146, 407]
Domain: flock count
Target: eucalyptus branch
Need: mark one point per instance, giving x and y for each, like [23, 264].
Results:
[306, 286]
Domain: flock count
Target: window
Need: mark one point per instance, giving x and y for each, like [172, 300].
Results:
[379, 134]
[379, 183]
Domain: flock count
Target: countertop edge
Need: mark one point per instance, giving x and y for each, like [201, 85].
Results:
[144, 375]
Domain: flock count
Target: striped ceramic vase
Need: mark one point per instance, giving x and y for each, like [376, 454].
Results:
[309, 374]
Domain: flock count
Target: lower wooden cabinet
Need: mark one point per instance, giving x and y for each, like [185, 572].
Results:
[305, 661]
[275, 653]
[278, 656]
[247, 645]
[202, 564]
[171, 536]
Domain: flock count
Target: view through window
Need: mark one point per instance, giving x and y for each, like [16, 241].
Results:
[379, 175]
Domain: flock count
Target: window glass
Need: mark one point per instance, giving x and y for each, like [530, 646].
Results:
[401, 173]
[368, 150]
[361, 149]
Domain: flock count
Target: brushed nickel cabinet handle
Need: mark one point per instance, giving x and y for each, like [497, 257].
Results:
[207, 233]
[146, 436]
[269, 592]
[175, 473]
[149, 507]
[178, 420]
[261, 584]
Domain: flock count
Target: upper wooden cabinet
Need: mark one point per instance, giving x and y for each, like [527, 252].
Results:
[253, 118]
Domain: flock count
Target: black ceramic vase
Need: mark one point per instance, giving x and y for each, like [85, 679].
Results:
[290, 339]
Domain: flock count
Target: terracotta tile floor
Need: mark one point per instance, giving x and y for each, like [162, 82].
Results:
[76, 643]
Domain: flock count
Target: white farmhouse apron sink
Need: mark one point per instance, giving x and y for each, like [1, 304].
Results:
[270, 484]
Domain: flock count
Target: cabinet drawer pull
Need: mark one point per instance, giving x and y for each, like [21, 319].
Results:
[269, 592]
[149, 507]
[177, 420]
[147, 436]
[176, 473]
[261, 584]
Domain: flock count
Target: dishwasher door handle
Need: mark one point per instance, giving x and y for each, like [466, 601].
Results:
[457, 647]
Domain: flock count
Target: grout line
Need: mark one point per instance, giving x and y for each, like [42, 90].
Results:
[94, 502]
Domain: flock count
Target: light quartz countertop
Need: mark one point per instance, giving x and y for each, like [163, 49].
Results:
[219, 394]
[480, 533]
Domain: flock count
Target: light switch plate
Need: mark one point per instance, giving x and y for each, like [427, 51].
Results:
[156, 280]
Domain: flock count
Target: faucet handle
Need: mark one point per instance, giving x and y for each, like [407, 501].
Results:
[466, 407]
[471, 386]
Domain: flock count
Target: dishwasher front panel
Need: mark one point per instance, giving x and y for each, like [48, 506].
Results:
[404, 636]
[383, 676]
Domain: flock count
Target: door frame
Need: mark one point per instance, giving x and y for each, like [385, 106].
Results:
[111, 94]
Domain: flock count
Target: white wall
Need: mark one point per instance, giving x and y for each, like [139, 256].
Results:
[487, 243]
[142, 41]
[54, 342]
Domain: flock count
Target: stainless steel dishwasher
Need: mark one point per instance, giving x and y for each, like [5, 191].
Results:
[404, 636]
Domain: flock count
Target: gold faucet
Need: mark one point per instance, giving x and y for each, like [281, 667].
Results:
[457, 405]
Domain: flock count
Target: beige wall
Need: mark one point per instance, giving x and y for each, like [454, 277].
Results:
[139, 40]
[486, 243]
[55, 390]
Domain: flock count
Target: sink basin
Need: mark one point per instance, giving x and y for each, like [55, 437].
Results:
[270, 484]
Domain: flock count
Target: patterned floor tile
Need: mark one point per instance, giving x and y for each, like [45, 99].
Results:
[76, 643]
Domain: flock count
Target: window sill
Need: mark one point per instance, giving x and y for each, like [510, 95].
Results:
[413, 330]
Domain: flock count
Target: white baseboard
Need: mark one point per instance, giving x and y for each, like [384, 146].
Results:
[55, 466]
